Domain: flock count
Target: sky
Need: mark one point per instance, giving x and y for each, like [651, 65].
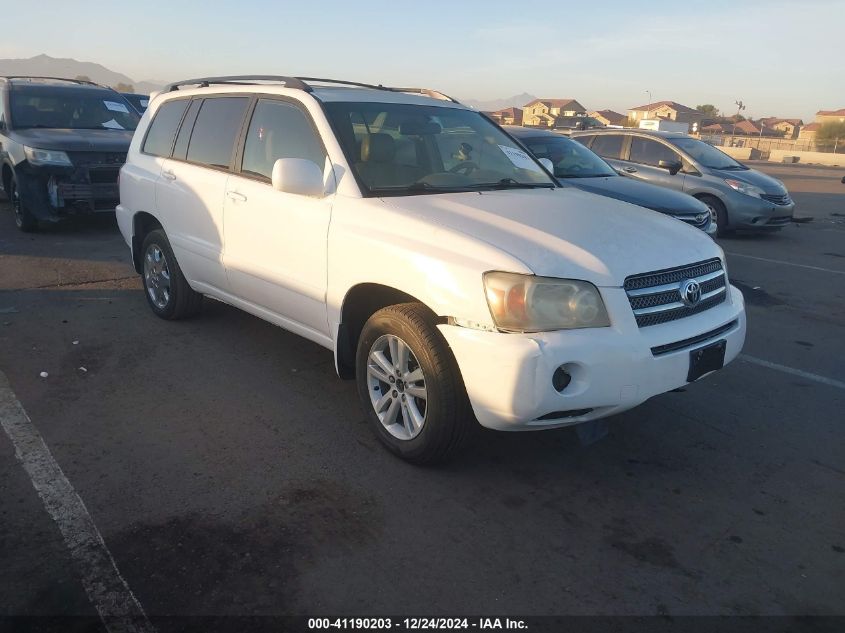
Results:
[781, 58]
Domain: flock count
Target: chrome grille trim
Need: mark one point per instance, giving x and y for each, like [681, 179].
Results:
[670, 287]
[656, 297]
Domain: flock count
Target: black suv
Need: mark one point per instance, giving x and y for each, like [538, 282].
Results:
[62, 144]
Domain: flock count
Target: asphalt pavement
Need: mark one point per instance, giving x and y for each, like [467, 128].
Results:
[229, 472]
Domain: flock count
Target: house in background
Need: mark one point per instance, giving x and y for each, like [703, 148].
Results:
[507, 116]
[788, 127]
[608, 117]
[543, 112]
[828, 116]
[718, 128]
[666, 110]
[751, 128]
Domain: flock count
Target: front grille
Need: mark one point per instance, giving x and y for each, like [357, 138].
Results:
[97, 158]
[698, 221]
[782, 199]
[688, 342]
[655, 297]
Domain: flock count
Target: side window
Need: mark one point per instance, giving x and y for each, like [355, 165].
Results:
[279, 130]
[3, 108]
[180, 150]
[584, 140]
[608, 145]
[217, 126]
[648, 152]
[163, 128]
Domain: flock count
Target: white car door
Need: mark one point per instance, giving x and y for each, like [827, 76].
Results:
[192, 187]
[275, 252]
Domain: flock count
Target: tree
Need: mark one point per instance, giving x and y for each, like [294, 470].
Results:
[121, 87]
[708, 110]
[82, 78]
[830, 131]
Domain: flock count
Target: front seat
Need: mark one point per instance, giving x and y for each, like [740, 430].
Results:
[378, 167]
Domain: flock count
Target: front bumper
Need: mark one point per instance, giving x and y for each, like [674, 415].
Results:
[53, 192]
[508, 377]
[748, 212]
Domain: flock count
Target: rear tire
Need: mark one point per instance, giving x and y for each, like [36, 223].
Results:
[24, 220]
[165, 287]
[716, 206]
[410, 386]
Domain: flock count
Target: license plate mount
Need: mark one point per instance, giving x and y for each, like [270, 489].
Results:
[706, 359]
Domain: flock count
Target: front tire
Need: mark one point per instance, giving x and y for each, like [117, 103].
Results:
[718, 208]
[24, 220]
[165, 287]
[410, 386]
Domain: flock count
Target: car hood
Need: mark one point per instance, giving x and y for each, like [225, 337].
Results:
[566, 232]
[752, 176]
[641, 193]
[74, 140]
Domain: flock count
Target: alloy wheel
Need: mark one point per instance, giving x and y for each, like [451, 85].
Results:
[397, 387]
[157, 276]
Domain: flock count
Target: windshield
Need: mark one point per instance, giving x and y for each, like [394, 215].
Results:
[401, 149]
[706, 154]
[70, 109]
[570, 158]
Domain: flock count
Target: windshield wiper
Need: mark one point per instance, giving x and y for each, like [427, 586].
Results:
[510, 183]
[587, 175]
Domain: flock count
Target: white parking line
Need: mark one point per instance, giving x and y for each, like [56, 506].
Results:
[119, 610]
[830, 382]
[780, 261]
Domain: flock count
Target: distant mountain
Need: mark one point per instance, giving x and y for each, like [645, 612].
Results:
[47, 66]
[499, 104]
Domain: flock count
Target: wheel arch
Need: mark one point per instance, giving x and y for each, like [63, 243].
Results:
[142, 224]
[360, 302]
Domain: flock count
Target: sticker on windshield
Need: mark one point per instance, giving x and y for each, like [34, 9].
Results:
[145, 103]
[519, 158]
[113, 125]
[114, 106]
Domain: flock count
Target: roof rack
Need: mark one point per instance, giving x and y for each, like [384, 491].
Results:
[205, 82]
[81, 82]
[298, 83]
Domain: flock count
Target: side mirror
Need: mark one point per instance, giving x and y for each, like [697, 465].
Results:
[843, 180]
[545, 162]
[298, 175]
[673, 166]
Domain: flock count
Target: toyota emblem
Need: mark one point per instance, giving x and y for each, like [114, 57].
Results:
[690, 292]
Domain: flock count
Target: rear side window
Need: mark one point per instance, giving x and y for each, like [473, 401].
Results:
[648, 152]
[279, 130]
[180, 150]
[608, 145]
[217, 126]
[162, 130]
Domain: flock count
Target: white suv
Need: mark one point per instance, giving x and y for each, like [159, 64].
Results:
[449, 274]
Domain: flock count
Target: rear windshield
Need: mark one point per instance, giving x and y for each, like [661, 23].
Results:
[77, 109]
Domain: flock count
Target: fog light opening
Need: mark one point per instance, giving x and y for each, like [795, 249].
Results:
[561, 379]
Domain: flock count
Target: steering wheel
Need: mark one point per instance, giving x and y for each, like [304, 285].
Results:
[465, 167]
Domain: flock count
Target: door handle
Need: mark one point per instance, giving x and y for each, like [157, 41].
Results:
[237, 197]
[169, 175]
[630, 170]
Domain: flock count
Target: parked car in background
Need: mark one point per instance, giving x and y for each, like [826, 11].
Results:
[62, 144]
[740, 197]
[574, 164]
[567, 123]
[450, 274]
[138, 101]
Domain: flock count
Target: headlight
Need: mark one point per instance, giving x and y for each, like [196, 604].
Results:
[46, 157]
[526, 303]
[744, 187]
